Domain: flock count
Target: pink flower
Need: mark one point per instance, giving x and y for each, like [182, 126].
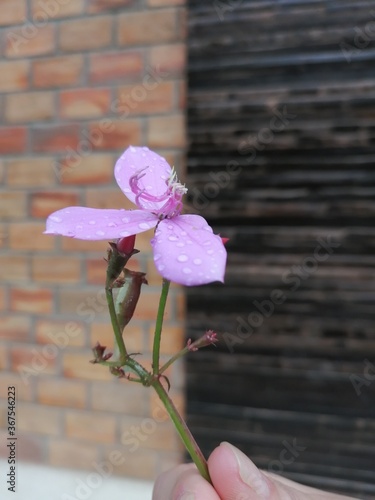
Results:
[185, 249]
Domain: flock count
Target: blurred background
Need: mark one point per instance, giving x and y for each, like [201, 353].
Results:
[281, 115]
[278, 153]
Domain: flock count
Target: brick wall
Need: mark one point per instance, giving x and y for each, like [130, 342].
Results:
[80, 81]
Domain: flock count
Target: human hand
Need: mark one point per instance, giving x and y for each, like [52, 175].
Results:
[234, 477]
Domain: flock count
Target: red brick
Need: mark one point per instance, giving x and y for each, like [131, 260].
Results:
[73, 245]
[3, 299]
[23, 392]
[13, 205]
[14, 268]
[84, 103]
[57, 9]
[147, 306]
[169, 59]
[55, 138]
[44, 203]
[107, 198]
[31, 300]
[55, 269]
[115, 66]
[57, 392]
[78, 366]
[90, 426]
[72, 454]
[30, 172]
[57, 71]
[38, 419]
[103, 333]
[147, 27]
[29, 106]
[29, 236]
[90, 169]
[14, 75]
[136, 99]
[182, 98]
[115, 134]
[166, 132]
[93, 33]
[30, 362]
[13, 140]
[60, 333]
[4, 357]
[41, 43]
[96, 6]
[13, 12]
[15, 327]
[88, 304]
[163, 437]
[163, 3]
[3, 236]
[106, 396]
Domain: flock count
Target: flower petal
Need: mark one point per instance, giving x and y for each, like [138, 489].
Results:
[187, 252]
[99, 224]
[155, 174]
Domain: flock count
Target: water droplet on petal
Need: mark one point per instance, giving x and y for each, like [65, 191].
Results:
[157, 256]
[125, 219]
[183, 233]
[143, 225]
[186, 270]
[210, 252]
[189, 242]
[182, 258]
[180, 244]
[112, 224]
[145, 148]
[207, 243]
[197, 262]
[172, 238]
[161, 267]
[79, 226]
[124, 233]
[100, 233]
[55, 219]
[170, 226]
[133, 149]
[92, 222]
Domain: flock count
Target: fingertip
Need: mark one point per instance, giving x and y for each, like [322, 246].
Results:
[234, 475]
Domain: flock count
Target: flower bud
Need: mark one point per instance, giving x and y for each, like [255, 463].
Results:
[118, 258]
[127, 296]
[126, 245]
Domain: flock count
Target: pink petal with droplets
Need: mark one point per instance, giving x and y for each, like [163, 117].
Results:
[187, 252]
[155, 174]
[99, 224]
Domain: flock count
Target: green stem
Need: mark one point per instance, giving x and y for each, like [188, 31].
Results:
[174, 358]
[158, 326]
[183, 430]
[116, 329]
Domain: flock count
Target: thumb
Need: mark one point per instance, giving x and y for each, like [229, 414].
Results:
[235, 477]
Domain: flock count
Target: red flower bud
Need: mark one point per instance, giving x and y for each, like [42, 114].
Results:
[126, 245]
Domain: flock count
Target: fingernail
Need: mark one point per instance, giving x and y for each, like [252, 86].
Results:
[249, 473]
[187, 495]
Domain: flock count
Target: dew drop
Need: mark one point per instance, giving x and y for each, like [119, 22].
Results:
[210, 252]
[56, 219]
[143, 225]
[182, 258]
[197, 262]
[170, 226]
[79, 226]
[145, 148]
[133, 149]
[180, 244]
[189, 242]
[207, 243]
[161, 267]
[183, 233]
[125, 219]
[172, 238]
[157, 256]
[124, 233]
[112, 224]
[92, 222]
[100, 233]
[186, 270]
